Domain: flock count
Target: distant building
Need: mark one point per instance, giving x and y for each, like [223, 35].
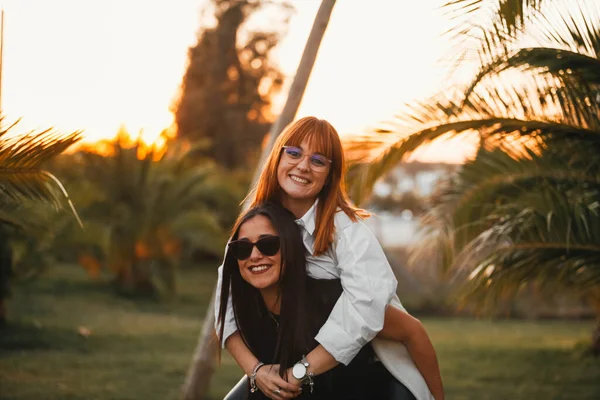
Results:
[419, 178]
[398, 228]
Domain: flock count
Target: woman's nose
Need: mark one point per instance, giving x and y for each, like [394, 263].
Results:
[304, 164]
[256, 254]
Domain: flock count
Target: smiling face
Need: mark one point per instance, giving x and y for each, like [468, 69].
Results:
[300, 183]
[260, 271]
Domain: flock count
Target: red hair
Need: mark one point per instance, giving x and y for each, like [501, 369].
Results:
[325, 140]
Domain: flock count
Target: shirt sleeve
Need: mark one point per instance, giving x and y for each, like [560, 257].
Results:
[230, 325]
[368, 284]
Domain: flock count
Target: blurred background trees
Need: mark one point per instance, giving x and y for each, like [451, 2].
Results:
[147, 211]
[227, 90]
[151, 209]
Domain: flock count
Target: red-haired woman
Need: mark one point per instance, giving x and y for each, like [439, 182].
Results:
[305, 173]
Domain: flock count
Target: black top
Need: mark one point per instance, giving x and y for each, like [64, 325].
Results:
[357, 381]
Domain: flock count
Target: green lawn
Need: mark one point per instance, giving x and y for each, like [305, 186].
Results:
[141, 349]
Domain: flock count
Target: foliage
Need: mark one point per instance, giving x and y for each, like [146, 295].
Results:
[525, 210]
[26, 191]
[22, 177]
[144, 210]
[227, 89]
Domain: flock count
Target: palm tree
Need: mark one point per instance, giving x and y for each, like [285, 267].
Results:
[525, 210]
[23, 183]
[144, 206]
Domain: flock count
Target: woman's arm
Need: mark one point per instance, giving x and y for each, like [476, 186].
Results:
[402, 327]
[267, 378]
[368, 285]
[230, 325]
[320, 361]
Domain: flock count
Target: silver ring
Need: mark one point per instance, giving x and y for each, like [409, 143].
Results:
[277, 392]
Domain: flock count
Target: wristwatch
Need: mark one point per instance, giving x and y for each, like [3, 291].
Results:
[300, 372]
[300, 369]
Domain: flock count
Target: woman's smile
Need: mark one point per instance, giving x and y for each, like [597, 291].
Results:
[259, 269]
[299, 179]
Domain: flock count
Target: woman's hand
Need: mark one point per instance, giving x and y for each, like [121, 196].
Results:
[273, 386]
[291, 379]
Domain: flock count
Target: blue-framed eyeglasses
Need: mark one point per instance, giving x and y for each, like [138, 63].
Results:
[294, 154]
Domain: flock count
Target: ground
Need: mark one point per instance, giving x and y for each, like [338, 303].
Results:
[72, 338]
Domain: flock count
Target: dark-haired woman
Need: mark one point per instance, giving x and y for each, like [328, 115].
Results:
[279, 310]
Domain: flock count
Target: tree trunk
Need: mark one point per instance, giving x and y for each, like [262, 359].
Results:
[292, 103]
[201, 369]
[596, 339]
[595, 302]
[3, 316]
[6, 274]
[202, 366]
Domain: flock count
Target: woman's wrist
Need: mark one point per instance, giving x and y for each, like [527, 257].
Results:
[252, 376]
[291, 379]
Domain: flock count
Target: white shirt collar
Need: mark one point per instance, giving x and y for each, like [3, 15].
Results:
[308, 220]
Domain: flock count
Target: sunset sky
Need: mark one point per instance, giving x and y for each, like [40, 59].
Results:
[98, 64]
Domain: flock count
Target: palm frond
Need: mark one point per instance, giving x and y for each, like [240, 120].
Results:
[476, 197]
[362, 177]
[552, 241]
[498, 23]
[22, 157]
[510, 13]
[574, 27]
[556, 62]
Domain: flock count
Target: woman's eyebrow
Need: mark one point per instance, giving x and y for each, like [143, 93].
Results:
[266, 235]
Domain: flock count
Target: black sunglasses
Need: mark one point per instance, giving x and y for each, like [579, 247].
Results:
[242, 249]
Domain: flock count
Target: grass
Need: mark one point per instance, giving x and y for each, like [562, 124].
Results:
[141, 349]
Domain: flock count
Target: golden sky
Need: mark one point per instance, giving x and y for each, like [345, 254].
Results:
[98, 64]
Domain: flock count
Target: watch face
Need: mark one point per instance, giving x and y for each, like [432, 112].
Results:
[299, 371]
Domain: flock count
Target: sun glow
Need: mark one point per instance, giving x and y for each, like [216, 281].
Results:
[99, 65]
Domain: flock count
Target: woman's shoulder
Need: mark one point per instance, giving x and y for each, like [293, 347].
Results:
[351, 235]
[344, 224]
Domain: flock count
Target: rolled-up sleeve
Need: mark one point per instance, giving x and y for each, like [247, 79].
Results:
[368, 286]
[230, 325]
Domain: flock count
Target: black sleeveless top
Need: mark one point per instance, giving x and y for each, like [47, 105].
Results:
[351, 382]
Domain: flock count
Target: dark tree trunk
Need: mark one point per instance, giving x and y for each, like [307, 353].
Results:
[6, 272]
[596, 339]
[3, 317]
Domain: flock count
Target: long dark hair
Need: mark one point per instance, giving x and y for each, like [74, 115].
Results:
[293, 338]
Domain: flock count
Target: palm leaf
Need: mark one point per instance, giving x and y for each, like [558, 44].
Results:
[510, 13]
[362, 177]
[556, 62]
[569, 44]
[489, 24]
[475, 197]
[552, 241]
[22, 157]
